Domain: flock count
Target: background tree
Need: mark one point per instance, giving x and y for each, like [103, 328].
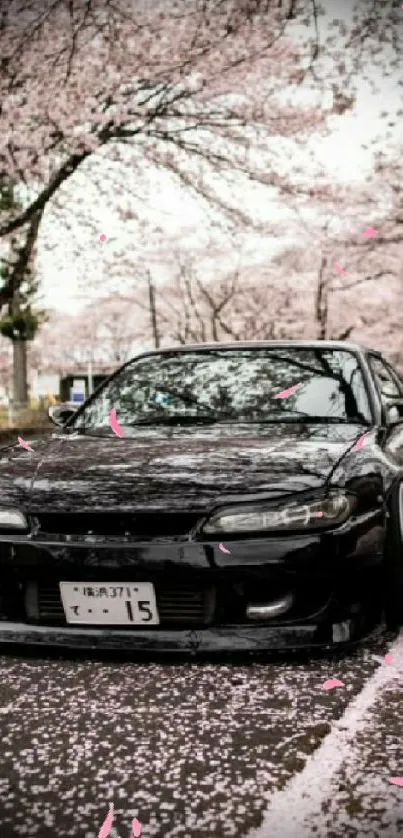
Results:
[156, 75]
[94, 94]
[190, 87]
[104, 333]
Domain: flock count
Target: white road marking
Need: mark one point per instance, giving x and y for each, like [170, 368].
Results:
[297, 810]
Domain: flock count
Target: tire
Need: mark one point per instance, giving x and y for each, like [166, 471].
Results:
[393, 562]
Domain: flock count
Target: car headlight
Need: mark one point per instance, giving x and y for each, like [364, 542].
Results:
[12, 519]
[315, 514]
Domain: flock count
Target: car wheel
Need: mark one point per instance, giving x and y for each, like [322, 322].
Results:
[393, 562]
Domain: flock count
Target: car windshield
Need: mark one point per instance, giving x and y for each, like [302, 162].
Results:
[231, 385]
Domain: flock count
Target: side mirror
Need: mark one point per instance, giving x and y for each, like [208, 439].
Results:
[59, 414]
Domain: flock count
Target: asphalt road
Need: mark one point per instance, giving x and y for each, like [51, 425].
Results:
[191, 749]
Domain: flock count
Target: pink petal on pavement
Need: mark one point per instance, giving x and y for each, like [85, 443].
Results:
[370, 232]
[25, 445]
[332, 683]
[107, 824]
[388, 659]
[223, 549]
[115, 424]
[136, 828]
[339, 268]
[397, 781]
[289, 392]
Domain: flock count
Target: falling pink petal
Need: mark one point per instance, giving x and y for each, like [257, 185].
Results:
[289, 392]
[102, 237]
[318, 514]
[136, 828]
[370, 232]
[360, 442]
[223, 549]
[332, 683]
[397, 781]
[339, 268]
[107, 824]
[388, 659]
[25, 445]
[114, 423]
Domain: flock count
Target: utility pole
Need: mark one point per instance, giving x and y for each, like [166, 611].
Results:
[153, 310]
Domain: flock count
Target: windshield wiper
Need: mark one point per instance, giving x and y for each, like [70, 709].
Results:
[326, 420]
[205, 419]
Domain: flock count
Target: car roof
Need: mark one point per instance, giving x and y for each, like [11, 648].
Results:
[260, 344]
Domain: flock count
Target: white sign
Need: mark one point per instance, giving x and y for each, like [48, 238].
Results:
[44, 385]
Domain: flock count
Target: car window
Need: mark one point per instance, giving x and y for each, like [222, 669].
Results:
[385, 381]
[233, 385]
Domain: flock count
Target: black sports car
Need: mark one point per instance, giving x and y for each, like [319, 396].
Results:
[244, 496]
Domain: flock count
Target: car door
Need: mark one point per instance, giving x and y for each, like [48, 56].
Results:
[390, 390]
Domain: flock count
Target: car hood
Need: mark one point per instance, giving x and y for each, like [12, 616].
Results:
[170, 469]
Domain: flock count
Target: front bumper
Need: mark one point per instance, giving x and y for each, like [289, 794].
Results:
[209, 600]
[233, 639]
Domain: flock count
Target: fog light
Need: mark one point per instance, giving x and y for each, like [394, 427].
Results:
[268, 610]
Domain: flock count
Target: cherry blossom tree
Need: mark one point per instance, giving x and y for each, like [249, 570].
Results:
[188, 84]
[103, 334]
[243, 304]
[154, 74]
[333, 290]
[351, 276]
[80, 81]
[238, 303]
[379, 202]
[195, 89]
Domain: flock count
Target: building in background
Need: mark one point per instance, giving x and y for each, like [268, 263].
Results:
[69, 385]
[78, 386]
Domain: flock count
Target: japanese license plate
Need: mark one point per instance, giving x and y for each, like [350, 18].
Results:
[110, 603]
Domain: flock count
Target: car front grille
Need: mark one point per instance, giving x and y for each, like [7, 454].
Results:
[181, 605]
[138, 525]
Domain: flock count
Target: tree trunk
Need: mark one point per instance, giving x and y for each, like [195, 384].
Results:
[20, 383]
